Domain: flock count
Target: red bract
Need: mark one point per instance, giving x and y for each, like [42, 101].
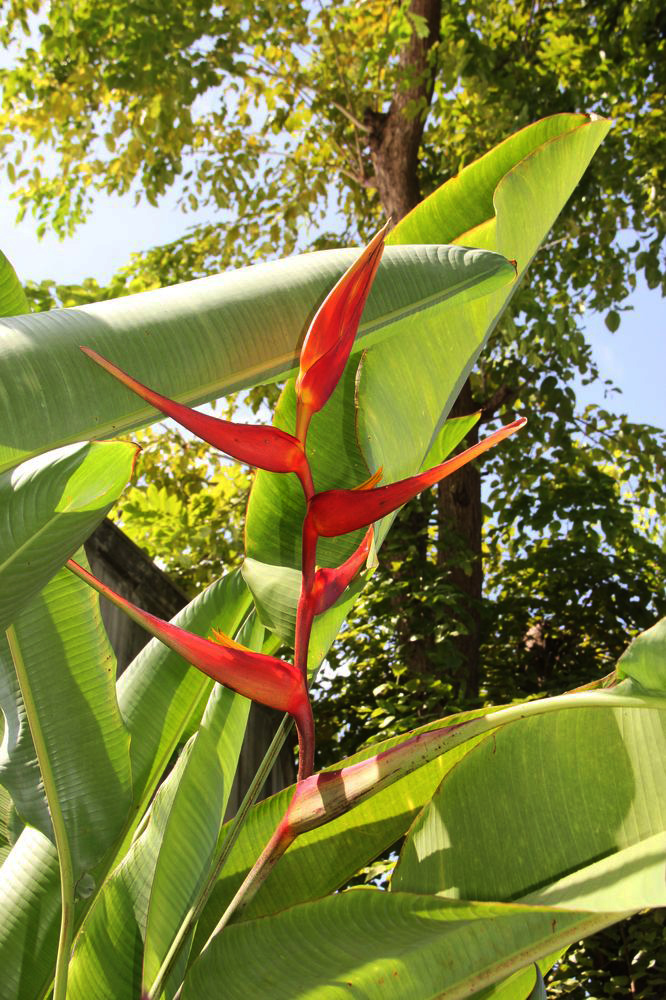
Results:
[336, 512]
[329, 340]
[262, 678]
[330, 584]
[266, 448]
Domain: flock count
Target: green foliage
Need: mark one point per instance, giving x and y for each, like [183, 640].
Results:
[186, 507]
[240, 104]
[230, 331]
[598, 968]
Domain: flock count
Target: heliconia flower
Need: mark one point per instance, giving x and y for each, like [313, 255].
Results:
[330, 584]
[262, 678]
[335, 512]
[266, 448]
[329, 340]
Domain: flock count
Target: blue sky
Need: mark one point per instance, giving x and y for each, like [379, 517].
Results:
[634, 357]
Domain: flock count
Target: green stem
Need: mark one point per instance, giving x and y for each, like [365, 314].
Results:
[233, 833]
[57, 818]
[282, 838]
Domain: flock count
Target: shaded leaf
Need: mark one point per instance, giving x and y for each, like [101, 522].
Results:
[48, 507]
[371, 944]
[66, 671]
[157, 695]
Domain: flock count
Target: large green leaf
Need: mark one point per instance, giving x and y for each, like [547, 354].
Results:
[48, 507]
[13, 300]
[450, 436]
[194, 342]
[107, 956]
[404, 388]
[506, 201]
[645, 659]
[377, 945]
[66, 674]
[19, 767]
[30, 907]
[157, 695]
[558, 816]
[276, 589]
[192, 832]
[324, 859]
[158, 692]
[564, 811]
[140, 907]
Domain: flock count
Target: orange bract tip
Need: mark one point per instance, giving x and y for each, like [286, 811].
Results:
[372, 481]
[226, 640]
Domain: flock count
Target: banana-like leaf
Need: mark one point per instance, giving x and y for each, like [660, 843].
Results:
[30, 907]
[219, 334]
[506, 201]
[645, 659]
[332, 440]
[10, 823]
[517, 986]
[48, 507]
[107, 958]
[324, 859]
[452, 433]
[140, 907]
[13, 299]
[506, 826]
[563, 790]
[542, 798]
[159, 692]
[192, 832]
[19, 768]
[157, 695]
[380, 945]
[66, 673]
[275, 590]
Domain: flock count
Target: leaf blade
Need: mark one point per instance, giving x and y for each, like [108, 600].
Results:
[222, 333]
[49, 506]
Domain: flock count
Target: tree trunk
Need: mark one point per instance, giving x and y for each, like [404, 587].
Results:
[394, 139]
[395, 136]
[459, 549]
